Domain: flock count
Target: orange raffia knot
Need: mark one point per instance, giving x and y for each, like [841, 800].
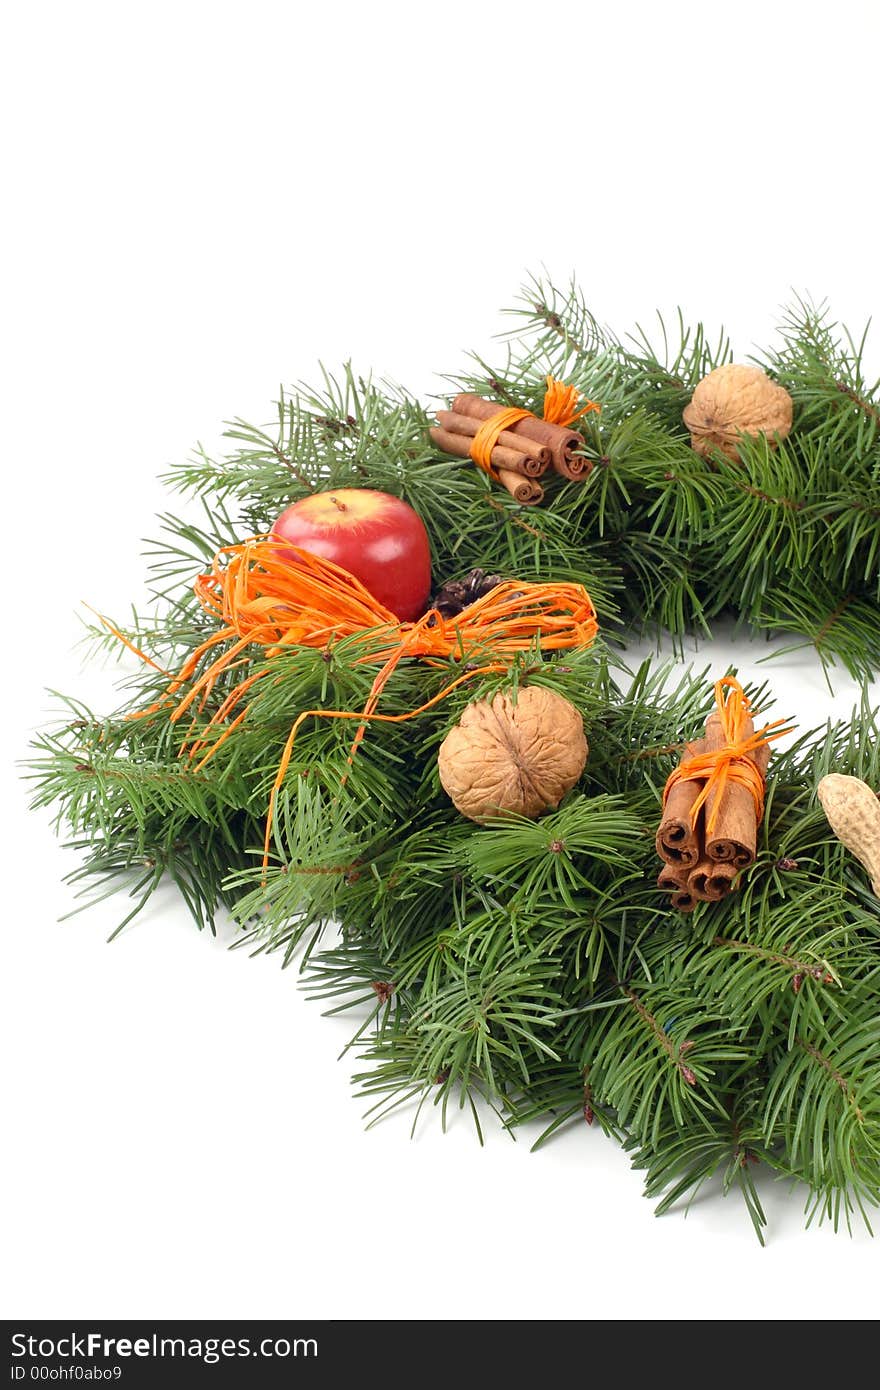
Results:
[730, 764]
[561, 403]
[277, 596]
[562, 406]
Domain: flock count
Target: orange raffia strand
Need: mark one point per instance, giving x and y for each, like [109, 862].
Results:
[366, 714]
[488, 434]
[127, 642]
[277, 596]
[560, 408]
[730, 764]
[561, 403]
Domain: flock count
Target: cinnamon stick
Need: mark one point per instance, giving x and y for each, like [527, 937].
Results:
[500, 457]
[673, 880]
[734, 837]
[709, 882]
[535, 457]
[678, 841]
[562, 443]
[521, 489]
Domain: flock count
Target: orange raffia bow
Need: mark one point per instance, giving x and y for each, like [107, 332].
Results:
[561, 407]
[277, 596]
[730, 763]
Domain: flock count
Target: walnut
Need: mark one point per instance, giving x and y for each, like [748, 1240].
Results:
[735, 400]
[521, 757]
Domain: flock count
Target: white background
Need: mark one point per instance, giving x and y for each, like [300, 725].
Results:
[202, 201]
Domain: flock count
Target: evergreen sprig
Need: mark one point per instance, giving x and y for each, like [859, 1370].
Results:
[532, 966]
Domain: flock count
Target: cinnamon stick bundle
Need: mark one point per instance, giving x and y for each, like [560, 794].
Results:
[532, 459]
[563, 443]
[699, 865]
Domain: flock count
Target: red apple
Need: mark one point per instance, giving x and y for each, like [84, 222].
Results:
[373, 535]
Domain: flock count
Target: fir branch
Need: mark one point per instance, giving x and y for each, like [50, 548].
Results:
[532, 968]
